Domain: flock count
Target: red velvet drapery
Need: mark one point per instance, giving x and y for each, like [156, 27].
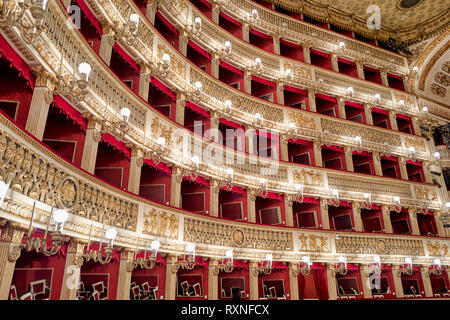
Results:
[161, 166]
[126, 57]
[320, 281]
[167, 23]
[70, 111]
[162, 87]
[301, 286]
[197, 109]
[264, 81]
[199, 49]
[118, 145]
[231, 68]
[230, 19]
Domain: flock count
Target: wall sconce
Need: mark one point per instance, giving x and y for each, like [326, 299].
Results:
[350, 91]
[341, 267]
[228, 107]
[198, 24]
[125, 113]
[3, 190]
[288, 77]
[226, 264]
[367, 200]
[39, 245]
[304, 268]
[341, 47]
[299, 192]
[425, 109]
[85, 70]
[198, 86]
[227, 181]
[159, 151]
[436, 268]
[72, 88]
[265, 266]
[162, 68]
[257, 118]
[334, 201]
[396, 205]
[226, 50]
[412, 153]
[254, 16]
[377, 97]
[195, 28]
[257, 66]
[188, 260]
[97, 255]
[263, 188]
[414, 72]
[128, 30]
[408, 270]
[143, 262]
[193, 172]
[401, 103]
[12, 14]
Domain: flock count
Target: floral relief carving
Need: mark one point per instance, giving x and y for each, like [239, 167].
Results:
[314, 243]
[161, 223]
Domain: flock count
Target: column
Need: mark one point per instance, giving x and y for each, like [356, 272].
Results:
[324, 214]
[307, 54]
[245, 31]
[171, 277]
[106, 43]
[213, 280]
[214, 198]
[426, 171]
[182, 44]
[280, 93]
[74, 262]
[175, 187]
[439, 224]
[414, 224]
[334, 62]
[356, 206]
[93, 137]
[416, 126]
[387, 218]
[293, 281]
[402, 165]
[144, 82]
[215, 66]
[152, 6]
[341, 107]
[318, 153]
[393, 120]
[349, 158]
[249, 140]
[136, 163]
[276, 44]
[360, 69]
[179, 109]
[368, 112]
[247, 82]
[398, 287]
[125, 271]
[426, 281]
[251, 209]
[384, 78]
[377, 163]
[289, 210]
[253, 275]
[215, 13]
[312, 100]
[367, 290]
[214, 127]
[10, 237]
[332, 290]
[40, 103]
[284, 149]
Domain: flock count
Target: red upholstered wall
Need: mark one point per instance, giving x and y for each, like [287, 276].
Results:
[231, 197]
[265, 203]
[123, 69]
[297, 151]
[192, 187]
[37, 261]
[276, 275]
[415, 276]
[152, 176]
[14, 88]
[198, 270]
[342, 210]
[237, 273]
[369, 215]
[354, 273]
[160, 271]
[298, 208]
[109, 157]
[112, 269]
[60, 127]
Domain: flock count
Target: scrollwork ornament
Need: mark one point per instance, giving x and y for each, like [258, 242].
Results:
[79, 261]
[14, 252]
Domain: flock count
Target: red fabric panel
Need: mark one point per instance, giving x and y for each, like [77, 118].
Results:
[381, 111]
[260, 34]
[200, 50]
[16, 61]
[343, 203]
[264, 81]
[273, 195]
[231, 68]
[89, 15]
[126, 57]
[230, 19]
[290, 44]
[162, 87]
[310, 200]
[301, 286]
[235, 189]
[320, 53]
[70, 111]
[395, 76]
[296, 90]
[119, 145]
[320, 281]
[346, 61]
[371, 69]
[334, 148]
[197, 109]
[403, 117]
[199, 180]
[206, 3]
[325, 97]
[161, 166]
[230, 124]
[299, 141]
[363, 153]
[414, 163]
[389, 158]
[354, 104]
[167, 23]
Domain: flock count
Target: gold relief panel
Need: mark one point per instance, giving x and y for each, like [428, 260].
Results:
[379, 245]
[220, 234]
[308, 177]
[438, 248]
[314, 243]
[161, 223]
[417, 143]
[302, 121]
[425, 193]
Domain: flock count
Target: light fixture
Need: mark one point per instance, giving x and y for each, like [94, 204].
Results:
[350, 91]
[227, 49]
[334, 201]
[258, 65]
[230, 172]
[60, 217]
[85, 70]
[161, 142]
[437, 155]
[101, 256]
[377, 260]
[358, 141]
[134, 23]
[128, 30]
[412, 149]
[227, 181]
[198, 23]
[257, 118]
[437, 262]
[162, 68]
[304, 268]
[263, 181]
[401, 102]
[196, 160]
[228, 107]
[265, 267]
[145, 262]
[3, 190]
[415, 69]
[425, 109]
[188, 260]
[194, 29]
[299, 189]
[342, 45]
[397, 199]
[254, 16]
[225, 264]
[125, 113]
[377, 97]
[341, 267]
[198, 86]
[110, 235]
[366, 195]
[447, 204]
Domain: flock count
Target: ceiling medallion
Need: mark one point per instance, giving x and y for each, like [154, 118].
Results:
[408, 4]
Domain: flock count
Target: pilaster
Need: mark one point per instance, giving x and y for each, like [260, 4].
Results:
[72, 269]
[124, 283]
[135, 169]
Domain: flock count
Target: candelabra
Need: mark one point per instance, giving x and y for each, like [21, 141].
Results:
[253, 17]
[226, 50]
[340, 268]
[145, 262]
[262, 188]
[162, 67]
[188, 260]
[226, 264]
[196, 92]
[194, 29]
[304, 268]
[39, 245]
[298, 197]
[12, 13]
[158, 151]
[264, 267]
[227, 108]
[127, 30]
[406, 270]
[367, 204]
[256, 67]
[227, 180]
[101, 256]
[335, 200]
[192, 172]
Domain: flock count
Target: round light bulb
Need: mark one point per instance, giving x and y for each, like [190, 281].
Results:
[125, 112]
[155, 245]
[198, 85]
[358, 139]
[425, 109]
[336, 192]
[292, 125]
[269, 257]
[288, 71]
[196, 159]
[341, 44]
[437, 155]
[377, 96]
[227, 44]
[166, 58]
[350, 89]
[198, 20]
[230, 171]
[366, 195]
[305, 259]
[190, 247]
[111, 234]
[228, 103]
[257, 115]
[376, 259]
[134, 18]
[341, 259]
[437, 262]
[85, 69]
[297, 186]
[3, 189]
[447, 204]
[401, 102]
[229, 253]
[412, 149]
[397, 199]
[161, 141]
[258, 60]
[262, 180]
[60, 216]
[408, 260]
[415, 69]
[255, 12]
